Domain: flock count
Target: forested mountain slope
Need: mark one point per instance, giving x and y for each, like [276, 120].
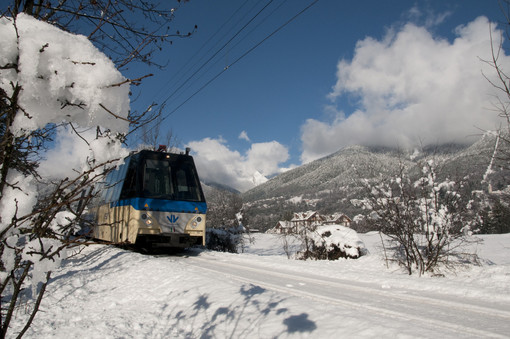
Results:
[328, 184]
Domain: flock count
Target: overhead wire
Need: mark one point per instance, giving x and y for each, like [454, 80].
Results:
[217, 52]
[228, 66]
[237, 59]
[260, 23]
[235, 45]
[184, 69]
[181, 87]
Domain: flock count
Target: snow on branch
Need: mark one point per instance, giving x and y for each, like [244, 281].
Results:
[62, 75]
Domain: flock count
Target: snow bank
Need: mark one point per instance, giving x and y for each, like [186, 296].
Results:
[340, 238]
[39, 252]
[63, 78]
[106, 292]
[331, 242]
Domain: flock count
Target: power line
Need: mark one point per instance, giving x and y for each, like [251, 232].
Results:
[217, 52]
[208, 40]
[237, 43]
[273, 33]
[239, 59]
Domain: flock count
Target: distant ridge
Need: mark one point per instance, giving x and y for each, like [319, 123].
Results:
[210, 186]
[328, 184]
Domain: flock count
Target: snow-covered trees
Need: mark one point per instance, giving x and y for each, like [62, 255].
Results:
[64, 114]
[64, 111]
[128, 31]
[225, 231]
[223, 207]
[496, 198]
[425, 218]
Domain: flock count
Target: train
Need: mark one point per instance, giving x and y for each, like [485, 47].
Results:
[153, 200]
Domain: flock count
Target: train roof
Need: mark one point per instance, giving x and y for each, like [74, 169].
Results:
[162, 153]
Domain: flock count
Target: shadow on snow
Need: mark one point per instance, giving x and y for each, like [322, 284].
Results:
[252, 312]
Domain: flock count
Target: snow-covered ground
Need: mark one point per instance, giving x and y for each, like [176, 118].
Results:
[107, 292]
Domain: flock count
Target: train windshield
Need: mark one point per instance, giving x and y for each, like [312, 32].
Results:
[174, 179]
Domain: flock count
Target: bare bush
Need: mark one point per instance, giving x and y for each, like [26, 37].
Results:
[424, 218]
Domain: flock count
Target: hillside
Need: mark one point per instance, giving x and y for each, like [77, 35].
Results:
[329, 184]
[335, 171]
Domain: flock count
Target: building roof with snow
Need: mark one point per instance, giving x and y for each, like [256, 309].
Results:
[337, 218]
[305, 216]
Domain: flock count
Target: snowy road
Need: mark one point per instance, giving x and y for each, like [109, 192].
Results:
[446, 315]
[106, 292]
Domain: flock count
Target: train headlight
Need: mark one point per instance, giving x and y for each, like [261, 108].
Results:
[147, 219]
[196, 221]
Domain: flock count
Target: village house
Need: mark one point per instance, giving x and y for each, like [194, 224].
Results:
[283, 227]
[338, 219]
[307, 219]
[310, 220]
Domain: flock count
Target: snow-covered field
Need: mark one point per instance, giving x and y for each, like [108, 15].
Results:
[107, 292]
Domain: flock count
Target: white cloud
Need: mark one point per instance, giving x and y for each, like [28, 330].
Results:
[429, 17]
[266, 156]
[244, 136]
[67, 155]
[216, 162]
[411, 87]
[70, 153]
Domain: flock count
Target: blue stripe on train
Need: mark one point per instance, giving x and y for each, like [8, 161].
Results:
[162, 205]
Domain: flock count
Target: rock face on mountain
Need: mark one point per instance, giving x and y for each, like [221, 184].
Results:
[328, 184]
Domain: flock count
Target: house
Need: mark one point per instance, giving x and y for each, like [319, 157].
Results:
[283, 227]
[307, 219]
[338, 219]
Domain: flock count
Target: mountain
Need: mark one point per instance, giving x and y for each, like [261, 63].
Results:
[210, 187]
[258, 178]
[328, 184]
[334, 171]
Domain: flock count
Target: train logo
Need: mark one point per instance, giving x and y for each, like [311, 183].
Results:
[173, 219]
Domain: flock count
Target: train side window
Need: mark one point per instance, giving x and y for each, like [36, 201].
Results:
[119, 181]
[130, 187]
[102, 189]
[110, 181]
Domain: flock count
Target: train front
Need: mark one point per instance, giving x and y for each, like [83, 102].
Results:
[171, 201]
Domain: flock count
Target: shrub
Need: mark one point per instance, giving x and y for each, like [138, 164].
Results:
[331, 243]
[224, 240]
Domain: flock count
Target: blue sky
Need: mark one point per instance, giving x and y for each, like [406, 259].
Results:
[287, 102]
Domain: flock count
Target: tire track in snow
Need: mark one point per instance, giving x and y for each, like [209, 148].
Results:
[329, 281]
[455, 316]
